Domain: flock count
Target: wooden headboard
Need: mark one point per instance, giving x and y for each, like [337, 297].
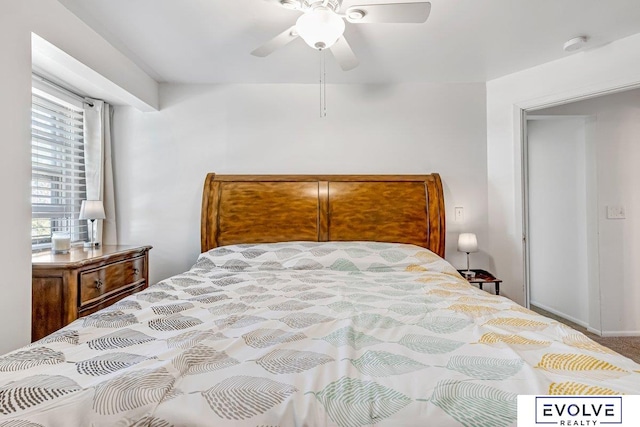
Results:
[276, 208]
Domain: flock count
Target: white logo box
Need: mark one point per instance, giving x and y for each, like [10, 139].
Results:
[578, 411]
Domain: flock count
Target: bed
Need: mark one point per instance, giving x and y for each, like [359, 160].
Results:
[316, 301]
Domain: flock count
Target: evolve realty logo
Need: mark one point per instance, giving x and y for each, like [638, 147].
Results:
[578, 410]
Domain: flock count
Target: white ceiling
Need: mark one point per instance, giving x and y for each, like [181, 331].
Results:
[208, 41]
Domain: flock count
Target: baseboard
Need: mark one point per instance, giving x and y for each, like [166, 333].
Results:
[563, 315]
[604, 334]
[620, 334]
[594, 331]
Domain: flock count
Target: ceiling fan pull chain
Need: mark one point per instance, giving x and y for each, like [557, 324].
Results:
[323, 85]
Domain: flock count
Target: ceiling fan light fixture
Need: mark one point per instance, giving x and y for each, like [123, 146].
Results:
[320, 28]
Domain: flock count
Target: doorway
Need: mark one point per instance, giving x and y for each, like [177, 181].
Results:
[612, 150]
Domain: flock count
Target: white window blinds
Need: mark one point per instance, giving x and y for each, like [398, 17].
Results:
[58, 183]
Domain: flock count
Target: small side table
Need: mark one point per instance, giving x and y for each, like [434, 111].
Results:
[482, 277]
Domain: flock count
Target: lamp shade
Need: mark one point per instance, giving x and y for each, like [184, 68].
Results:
[92, 209]
[467, 242]
[320, 28]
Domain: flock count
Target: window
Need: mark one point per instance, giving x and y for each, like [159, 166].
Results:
[58, 183]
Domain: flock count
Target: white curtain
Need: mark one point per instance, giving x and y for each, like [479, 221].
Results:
[99, 168]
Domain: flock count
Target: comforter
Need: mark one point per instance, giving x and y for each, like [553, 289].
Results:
[305, 334]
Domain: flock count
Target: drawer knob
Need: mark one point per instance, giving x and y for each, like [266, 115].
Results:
[98, 284]
[136, 271]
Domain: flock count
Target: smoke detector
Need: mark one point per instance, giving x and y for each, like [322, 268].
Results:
[574, 44]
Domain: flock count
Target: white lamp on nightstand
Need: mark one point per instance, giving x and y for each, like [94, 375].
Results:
[467, 242]
[92, 210]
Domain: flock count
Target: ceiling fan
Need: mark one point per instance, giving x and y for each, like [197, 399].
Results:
[322, 25]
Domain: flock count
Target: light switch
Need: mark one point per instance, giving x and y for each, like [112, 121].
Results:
[458, 215]
[615, 212]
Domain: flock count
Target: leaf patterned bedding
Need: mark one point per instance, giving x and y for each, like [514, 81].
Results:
[305, 334]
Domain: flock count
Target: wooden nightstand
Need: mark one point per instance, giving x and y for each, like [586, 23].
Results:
[482, 277]
[66, 287]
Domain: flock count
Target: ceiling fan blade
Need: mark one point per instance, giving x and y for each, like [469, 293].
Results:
[277, 42]
[395, 13]
[344, 55]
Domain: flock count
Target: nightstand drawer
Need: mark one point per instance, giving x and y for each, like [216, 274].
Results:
[113, 297]
[98, 283]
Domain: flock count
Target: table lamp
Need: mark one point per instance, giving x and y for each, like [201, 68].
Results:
[92, 210]
[467, 242]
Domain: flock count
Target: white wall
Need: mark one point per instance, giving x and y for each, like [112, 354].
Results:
[557, 172]
[616, 133]
[161, 159]
[614, 66]
[18, 19]
[15, 176]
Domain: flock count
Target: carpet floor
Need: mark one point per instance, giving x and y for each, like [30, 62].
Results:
[626, 346]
